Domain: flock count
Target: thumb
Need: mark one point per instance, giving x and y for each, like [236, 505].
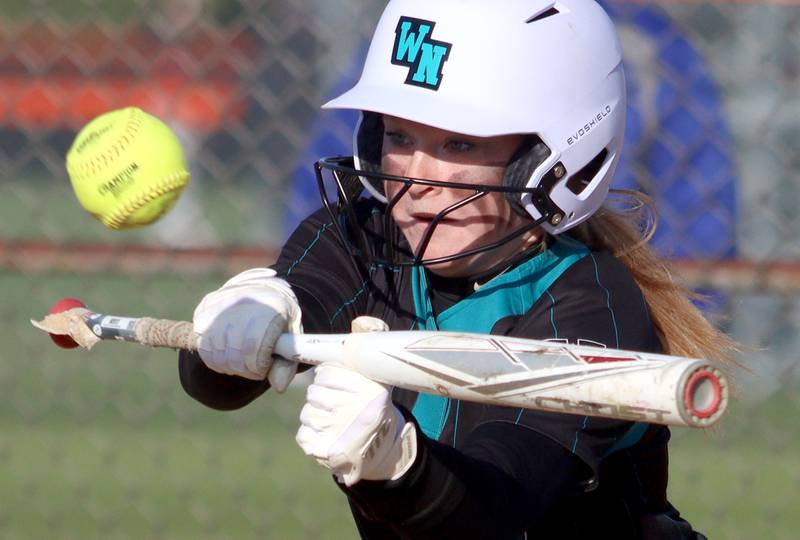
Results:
[368, 324]
[281, 374]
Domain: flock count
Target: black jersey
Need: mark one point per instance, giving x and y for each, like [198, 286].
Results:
[488, 471]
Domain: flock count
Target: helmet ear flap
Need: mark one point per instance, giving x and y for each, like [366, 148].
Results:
[368, 142]
[531, 153]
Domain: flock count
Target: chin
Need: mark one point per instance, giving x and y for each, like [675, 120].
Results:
[467, 266]
[449, 269]
[471, 265]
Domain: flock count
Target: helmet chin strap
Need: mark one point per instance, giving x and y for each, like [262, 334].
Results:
[420, 260]
[532, 245]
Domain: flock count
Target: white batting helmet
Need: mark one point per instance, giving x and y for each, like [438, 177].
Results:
[551, 69]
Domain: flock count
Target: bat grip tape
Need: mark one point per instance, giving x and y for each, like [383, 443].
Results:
[166, 333]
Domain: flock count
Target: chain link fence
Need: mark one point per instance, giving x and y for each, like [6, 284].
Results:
[107, 445]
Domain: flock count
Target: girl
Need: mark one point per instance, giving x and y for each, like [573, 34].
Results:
[488, 137]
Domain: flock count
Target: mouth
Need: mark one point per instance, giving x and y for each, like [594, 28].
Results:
[427, 218]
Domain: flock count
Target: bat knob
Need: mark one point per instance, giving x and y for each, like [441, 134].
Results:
[65, 342]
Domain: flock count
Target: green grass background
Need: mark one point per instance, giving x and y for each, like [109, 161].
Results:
[105, 444]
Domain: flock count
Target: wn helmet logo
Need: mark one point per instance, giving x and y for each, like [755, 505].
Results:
[424, 57]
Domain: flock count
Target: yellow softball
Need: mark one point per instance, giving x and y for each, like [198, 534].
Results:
[127, 168]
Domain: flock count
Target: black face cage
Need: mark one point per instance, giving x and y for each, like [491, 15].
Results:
[391, 249]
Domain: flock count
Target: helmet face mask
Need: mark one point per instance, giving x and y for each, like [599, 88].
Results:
[549, 70]
[394, 250]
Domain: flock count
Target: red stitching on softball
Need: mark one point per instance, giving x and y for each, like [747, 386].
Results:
[132, 125]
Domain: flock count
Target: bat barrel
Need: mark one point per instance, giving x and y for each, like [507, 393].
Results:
[540, 375]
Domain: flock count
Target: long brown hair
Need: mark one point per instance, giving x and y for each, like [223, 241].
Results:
[624, 228]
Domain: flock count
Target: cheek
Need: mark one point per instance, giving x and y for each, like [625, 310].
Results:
[497, 210]
[392, 191]
[392, 163]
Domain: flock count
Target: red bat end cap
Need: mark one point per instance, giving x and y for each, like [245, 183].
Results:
[65, 342]
[704, 393]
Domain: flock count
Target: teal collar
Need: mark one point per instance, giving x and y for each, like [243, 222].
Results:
[508, 294]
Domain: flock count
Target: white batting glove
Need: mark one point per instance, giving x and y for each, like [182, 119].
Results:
[240, 322]
[350, 425]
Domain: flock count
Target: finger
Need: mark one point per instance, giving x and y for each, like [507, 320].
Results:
[202, 316]
[316, 419]
[304, 438]
[340, 378]
[211, 354]
[209, 310]
[312, 443]
[328, 399]
[252, 276]
[366, 323]
[281, 374]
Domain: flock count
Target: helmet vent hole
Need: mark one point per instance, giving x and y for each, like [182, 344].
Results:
[578, 181]
[543, 15]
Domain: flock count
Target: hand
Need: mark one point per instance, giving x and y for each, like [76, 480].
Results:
[240, 322]
[350, 425]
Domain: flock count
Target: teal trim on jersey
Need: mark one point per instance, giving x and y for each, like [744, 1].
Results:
[311, 245]
[552, 314]
[352, 300]
[508, 295]
[513, 293]
[422, 300]
[631, 437]
[608, 302]
[430, 411]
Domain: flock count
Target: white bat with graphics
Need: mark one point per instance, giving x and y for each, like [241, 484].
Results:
[545, 375]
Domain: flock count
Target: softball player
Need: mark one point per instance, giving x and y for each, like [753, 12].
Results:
[488, 137]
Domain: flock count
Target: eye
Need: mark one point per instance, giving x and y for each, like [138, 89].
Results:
[459, 146]
[397, 138]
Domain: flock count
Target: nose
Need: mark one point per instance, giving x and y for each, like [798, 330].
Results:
[423, 166]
